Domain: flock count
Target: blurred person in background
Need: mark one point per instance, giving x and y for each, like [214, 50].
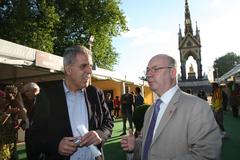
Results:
[35, 104]
[116, 103]
[217, 100]
[109, 103]
[127, 110]
[138, 98]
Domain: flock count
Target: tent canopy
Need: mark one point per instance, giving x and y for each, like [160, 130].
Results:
[230, 73]
[23, 64]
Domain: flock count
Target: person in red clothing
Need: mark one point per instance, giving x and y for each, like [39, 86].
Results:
[116, 103]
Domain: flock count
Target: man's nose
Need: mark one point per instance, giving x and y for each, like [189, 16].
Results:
[89, 69]
[149, 74]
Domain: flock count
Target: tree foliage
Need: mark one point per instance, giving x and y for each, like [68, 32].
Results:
[30, 23]
[225, 63]
[53, 25]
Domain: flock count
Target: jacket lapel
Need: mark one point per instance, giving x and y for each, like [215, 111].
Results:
[62, 109]
[167, 114]
[148, 121]
[89, 109]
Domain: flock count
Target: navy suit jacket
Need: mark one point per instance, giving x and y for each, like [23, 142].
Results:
[58, 123]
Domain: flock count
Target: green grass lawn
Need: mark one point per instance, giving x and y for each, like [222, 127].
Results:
[231, 146]
[112, 148]
[113, 151]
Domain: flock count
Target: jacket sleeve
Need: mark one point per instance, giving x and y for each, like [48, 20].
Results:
[105, 128]
[204, 139]
[37, 132]
[101, 120]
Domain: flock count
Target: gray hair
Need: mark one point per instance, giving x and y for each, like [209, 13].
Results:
[31, 85]
[172, 61]
[71, 52]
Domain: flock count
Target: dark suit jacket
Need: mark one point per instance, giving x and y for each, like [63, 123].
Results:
[35, 136]
[58, 123]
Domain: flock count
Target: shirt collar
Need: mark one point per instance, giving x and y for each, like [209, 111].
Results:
[66, 89]
[167, 96]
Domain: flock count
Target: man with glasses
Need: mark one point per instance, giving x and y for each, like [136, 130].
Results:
[178, 126]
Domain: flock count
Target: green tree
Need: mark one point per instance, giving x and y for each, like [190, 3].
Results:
[53, 25]
[224, 63]
[82, 18]
[29, 22]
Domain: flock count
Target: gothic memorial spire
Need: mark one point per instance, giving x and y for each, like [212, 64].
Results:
[188, 23]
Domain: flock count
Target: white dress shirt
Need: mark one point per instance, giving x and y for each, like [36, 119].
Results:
[78, 115]
[166, 98]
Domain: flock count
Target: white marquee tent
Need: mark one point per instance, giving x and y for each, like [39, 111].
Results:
[230, 73]
[22, 64]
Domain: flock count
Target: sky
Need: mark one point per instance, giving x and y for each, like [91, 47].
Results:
[154, 25]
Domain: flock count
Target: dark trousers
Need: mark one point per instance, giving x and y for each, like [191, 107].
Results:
[31, 154]
[224, 105]
[235, 111]
[219, 118]
[127, 115]
[116, 112]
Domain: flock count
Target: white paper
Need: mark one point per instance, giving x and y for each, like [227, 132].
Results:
[82, 130]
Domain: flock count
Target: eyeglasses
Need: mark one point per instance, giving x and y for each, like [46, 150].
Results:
[156, 69]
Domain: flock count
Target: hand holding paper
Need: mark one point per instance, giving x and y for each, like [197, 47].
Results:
[82, 130]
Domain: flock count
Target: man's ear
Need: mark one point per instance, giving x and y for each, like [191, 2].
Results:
[174, 71]
[68, 70]
[36, 91]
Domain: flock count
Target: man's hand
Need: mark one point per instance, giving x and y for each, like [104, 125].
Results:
[128, 142]
[67, 146]
[89, 138]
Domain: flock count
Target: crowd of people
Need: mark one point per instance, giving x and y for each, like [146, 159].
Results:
[72, 119]
[129, 103]
[11, 110]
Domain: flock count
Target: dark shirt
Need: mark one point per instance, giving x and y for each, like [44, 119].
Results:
[110, 105]
[225, 98]
[138, 100]
[127, 102]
